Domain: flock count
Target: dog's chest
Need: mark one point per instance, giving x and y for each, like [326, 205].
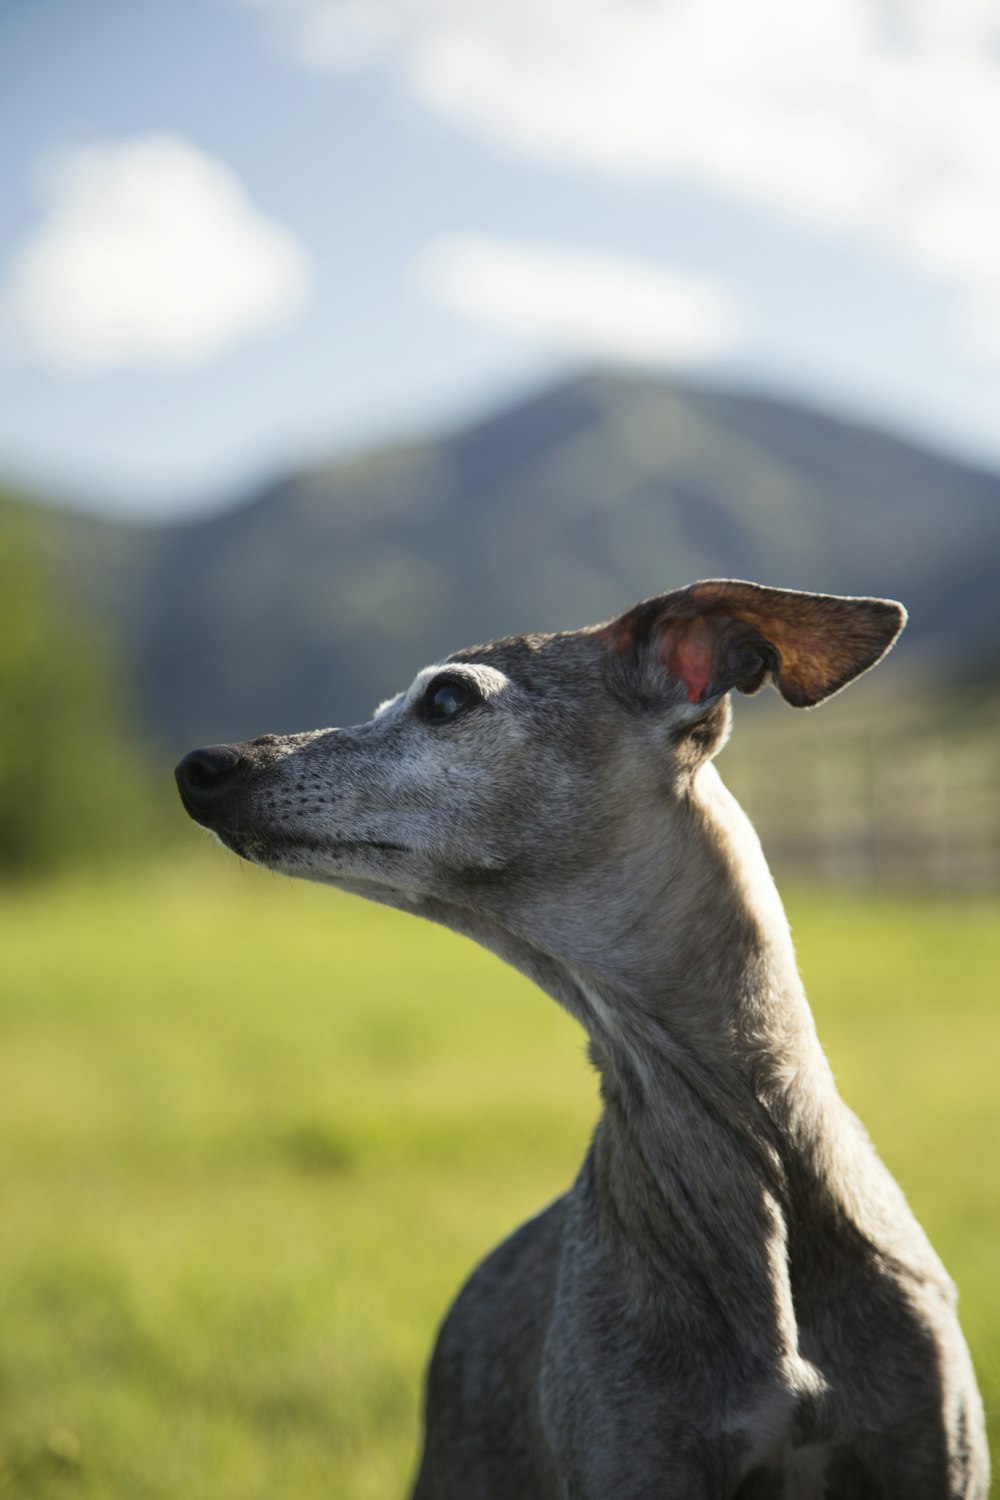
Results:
[779, 1460]
[798, 1473]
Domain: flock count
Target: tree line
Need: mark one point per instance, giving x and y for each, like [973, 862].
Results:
[76, 783]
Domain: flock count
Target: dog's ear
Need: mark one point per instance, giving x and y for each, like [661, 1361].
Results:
[700, 642]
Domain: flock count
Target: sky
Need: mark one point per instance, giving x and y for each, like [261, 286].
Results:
[237, 235]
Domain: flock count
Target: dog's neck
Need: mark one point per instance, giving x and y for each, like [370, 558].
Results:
[724, 1142]
[676, 956]
[720, 1109]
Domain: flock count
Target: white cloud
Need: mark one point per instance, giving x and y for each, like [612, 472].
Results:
[874, 119]
[579, 301]
[151, 255]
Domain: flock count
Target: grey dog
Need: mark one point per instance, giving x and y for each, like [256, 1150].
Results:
[733, 1299]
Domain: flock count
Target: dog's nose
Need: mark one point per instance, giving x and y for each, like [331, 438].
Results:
[203, 778]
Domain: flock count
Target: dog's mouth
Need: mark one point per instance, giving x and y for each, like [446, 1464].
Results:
[269, 849]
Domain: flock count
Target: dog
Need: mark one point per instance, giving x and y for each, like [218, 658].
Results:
[733, 1299]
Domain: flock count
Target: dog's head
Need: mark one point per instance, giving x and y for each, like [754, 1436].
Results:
[530, 762]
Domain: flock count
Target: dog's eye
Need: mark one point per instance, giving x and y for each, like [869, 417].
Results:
[446, 699]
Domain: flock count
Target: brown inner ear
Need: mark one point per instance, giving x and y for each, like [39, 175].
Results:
[688, 651]
[710, 654]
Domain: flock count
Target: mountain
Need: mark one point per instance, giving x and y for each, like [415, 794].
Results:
[327, 589]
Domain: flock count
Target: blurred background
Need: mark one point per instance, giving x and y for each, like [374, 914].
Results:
[336, 335]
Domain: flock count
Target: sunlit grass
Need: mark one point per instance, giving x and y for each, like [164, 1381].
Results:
[253, 1136]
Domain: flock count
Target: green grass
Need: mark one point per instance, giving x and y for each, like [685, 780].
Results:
[253, 1136]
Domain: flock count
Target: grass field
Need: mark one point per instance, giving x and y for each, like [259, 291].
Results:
[253, 1135]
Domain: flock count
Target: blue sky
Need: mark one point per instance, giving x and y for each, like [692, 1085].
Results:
[237, 233]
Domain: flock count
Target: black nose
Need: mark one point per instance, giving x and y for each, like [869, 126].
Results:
[204, 777]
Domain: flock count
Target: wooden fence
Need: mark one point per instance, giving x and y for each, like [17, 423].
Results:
[907, 805]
